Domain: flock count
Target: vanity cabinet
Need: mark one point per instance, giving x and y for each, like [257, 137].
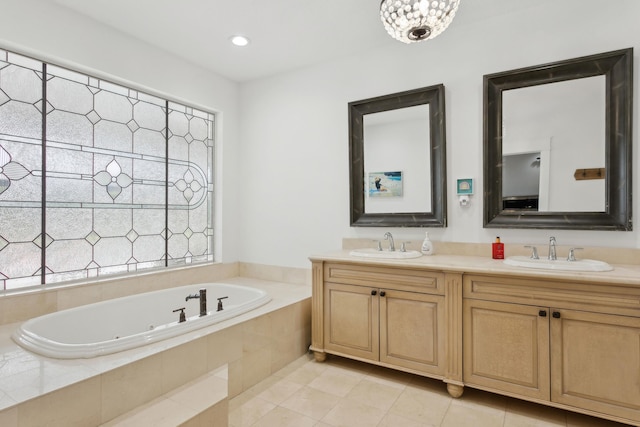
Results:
[383, 324]
[394, 317]
[570, 344]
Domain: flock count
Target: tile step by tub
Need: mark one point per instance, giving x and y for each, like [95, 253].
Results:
[201, 402]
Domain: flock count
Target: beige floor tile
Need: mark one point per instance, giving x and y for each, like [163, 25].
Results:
[380, 395]
[283, 417]
[394, 420]
[280, 391]
[468, 416]
[294, 366]
[250, 412]
[526, 414]
[306, 373]
[421, 405]
[335, 381]
[311, 402]
[349, 413]
[389, 376]
[349, 367]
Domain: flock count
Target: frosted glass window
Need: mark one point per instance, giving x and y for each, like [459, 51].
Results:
[97, 178]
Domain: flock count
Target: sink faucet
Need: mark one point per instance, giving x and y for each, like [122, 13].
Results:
[552, 249]
[388, 236]
[202, 296]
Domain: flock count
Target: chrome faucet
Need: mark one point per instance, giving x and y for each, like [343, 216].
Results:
[552, 249]
[202, 296]
[388, 236]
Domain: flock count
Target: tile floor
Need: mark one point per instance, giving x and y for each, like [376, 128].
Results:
[341, 392]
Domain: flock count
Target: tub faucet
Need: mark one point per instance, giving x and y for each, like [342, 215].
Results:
[552, 249]
[388, 236]
[202, 296]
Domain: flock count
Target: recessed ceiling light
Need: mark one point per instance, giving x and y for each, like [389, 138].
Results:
[239, 40]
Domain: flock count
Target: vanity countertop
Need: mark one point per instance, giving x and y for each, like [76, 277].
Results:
[621, 274]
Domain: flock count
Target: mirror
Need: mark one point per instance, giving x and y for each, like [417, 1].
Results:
[397, 160]
[557, 145]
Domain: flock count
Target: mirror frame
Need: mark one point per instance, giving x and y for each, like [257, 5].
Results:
[617, 67]
[432, 95]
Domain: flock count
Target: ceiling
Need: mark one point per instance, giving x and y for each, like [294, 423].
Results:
[284, 34]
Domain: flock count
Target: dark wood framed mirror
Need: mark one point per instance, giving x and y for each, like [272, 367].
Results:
[401, 138]
[614, 165]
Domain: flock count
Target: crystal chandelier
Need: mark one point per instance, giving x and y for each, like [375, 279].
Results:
[413, 20]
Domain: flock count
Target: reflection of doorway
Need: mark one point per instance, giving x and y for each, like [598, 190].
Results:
[521, 164]
[525, 181]
[521, 181]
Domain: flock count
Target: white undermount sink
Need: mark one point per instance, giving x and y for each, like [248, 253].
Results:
[559, 264]
[374, 253]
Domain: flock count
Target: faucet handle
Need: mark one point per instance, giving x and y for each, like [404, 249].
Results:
[572, 255]
[378, 245]
[403, 247]
[183, 317]
[534, 251]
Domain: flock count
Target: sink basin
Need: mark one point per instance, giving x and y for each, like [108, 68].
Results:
[374, 253]
[560, 264]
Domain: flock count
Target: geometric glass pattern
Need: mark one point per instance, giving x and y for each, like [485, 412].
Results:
[97, 178]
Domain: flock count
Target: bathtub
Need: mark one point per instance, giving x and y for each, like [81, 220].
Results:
[124, 323]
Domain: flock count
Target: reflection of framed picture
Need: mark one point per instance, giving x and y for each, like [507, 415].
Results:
[465, 186]
[385, 184]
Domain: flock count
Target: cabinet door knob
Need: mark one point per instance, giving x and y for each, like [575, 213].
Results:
[556, 314]
[374, 292]
[382, 293]
[542, 313]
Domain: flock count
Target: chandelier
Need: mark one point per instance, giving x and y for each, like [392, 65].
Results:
[410, 21]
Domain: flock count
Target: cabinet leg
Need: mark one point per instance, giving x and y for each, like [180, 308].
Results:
[455, 390]
[320, 356]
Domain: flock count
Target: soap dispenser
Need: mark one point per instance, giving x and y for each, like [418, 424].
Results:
[427, 245]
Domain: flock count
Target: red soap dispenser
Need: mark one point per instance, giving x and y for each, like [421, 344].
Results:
[497, 249]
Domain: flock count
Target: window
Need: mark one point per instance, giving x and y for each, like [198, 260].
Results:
[97, 178]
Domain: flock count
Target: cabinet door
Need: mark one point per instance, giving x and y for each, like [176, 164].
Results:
[412, 330]
[506, 347]
[351, 320]
[595, 360]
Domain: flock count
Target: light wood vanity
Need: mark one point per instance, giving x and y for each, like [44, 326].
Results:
[564, 339]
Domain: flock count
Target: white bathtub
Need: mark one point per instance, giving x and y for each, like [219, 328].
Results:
[124, 323]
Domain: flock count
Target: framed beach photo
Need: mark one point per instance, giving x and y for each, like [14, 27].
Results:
[385, 184]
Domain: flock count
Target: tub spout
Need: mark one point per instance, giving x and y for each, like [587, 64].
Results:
[202, 296]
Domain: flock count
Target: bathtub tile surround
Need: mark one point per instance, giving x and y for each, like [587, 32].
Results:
[252, 344]
[202, 402]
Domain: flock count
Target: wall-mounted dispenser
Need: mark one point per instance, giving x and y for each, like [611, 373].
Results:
[464, 189]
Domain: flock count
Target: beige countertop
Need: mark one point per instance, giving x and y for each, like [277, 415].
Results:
[621, 273]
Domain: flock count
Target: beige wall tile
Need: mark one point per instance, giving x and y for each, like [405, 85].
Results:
[256, 366]
[283, 321]
[235, 378]
[183, 364]
[256, 334]
[125, 388]
[16, 308]
[77, 405]
[224, 346]
[78, 295]
[9, 417]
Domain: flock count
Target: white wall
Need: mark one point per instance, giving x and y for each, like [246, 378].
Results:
[48, 32]
[294, 130]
